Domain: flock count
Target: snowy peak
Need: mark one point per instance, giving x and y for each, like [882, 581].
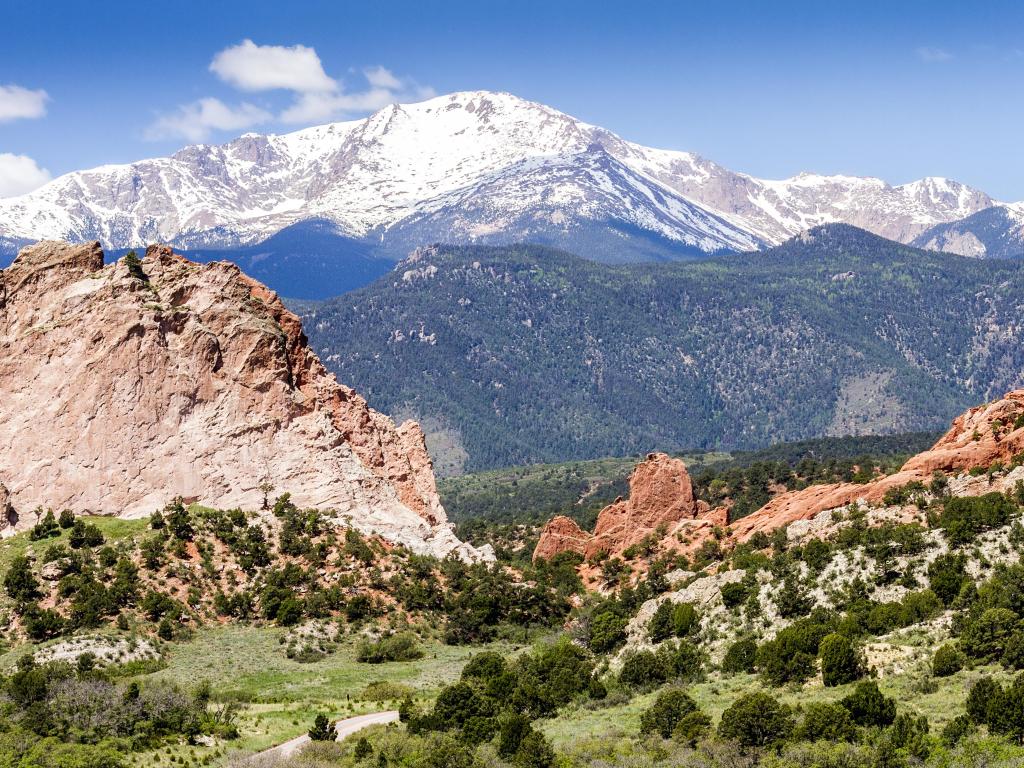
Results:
[473, 166]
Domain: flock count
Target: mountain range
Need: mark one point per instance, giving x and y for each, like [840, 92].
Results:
[477, 168]
[521, 354]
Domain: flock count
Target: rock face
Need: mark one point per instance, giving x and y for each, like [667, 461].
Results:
[982, 436]
[660, 504]
[126, 385]
[978, 438]
[662, 501]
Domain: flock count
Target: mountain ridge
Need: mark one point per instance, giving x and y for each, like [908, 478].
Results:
[836, 332]
[481, 167]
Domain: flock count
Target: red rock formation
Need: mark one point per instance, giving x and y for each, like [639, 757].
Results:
[660, 501]
[978, 438]
[120, 391]
[561, 534]
[661, 495]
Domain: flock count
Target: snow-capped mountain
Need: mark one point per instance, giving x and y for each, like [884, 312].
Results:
[467, 167]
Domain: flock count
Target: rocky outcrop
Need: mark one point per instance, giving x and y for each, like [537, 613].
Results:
[661, 504]
[561, 534]
[981, 437]
[125, 385]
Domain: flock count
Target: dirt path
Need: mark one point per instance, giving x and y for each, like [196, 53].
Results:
[344, 728]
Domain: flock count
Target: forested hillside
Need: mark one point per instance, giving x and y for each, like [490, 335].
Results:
[522, 354]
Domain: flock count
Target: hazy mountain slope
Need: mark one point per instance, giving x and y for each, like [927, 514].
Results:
[995, 233]
[307, 260]
[525, 354]
[470, 167]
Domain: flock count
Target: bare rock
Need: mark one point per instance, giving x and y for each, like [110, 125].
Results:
[660, 501]
[978, 438]
[123, 389]
[561, 534]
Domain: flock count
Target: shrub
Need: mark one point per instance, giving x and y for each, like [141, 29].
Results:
[740, 657]
[644, 669]
[756, 720]
[1013, 655]
[19, 581]
[816, 553]
[323, 730]
[840, 661]
[399, 647]
[692, 727]
[868, 706]
[665, 713]
[956, 729]
[41, 623]
[964, 517]
[660, 626]
[948, 660]
[791, 599]
[45, 528]
[684, 620]
[686, 660]
[84, 535]
[946, 576]
[511, 731]
[607, 630]
[826, 721]
[66, 519]
[734, 593]
[596, 689]
[534, 752]
[791, 655]
[981, 695]
[987, 636]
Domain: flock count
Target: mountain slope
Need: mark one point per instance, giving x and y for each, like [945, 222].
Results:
[525, 354]
[471, 167]
[995, 233]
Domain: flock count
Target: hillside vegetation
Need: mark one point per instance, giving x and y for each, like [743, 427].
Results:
[517, 355]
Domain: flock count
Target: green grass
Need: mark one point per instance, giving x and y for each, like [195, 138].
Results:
[249, 663]
[582, 722]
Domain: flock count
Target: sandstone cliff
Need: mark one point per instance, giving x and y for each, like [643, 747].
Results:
[126, 385]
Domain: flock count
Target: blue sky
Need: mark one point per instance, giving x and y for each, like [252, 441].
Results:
[898, 90]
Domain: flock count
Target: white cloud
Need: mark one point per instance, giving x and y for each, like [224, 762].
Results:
[931, 55]
[195, 121]
[20, 174]
[381, 77]
[17, 103]
[252, 67]
[316, 97]
[318, 107]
